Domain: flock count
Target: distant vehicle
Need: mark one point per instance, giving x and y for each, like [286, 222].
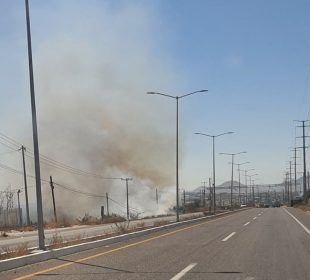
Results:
[242, 205]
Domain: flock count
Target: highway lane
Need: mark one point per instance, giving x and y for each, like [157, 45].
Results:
[271, 246]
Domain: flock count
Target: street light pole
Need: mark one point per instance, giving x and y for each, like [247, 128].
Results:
[239, 164]
[232, 174]
[250, 184]
[213, 141]
[177, 140]
[246, 183]
[35, 136]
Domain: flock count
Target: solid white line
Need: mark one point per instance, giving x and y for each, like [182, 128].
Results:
[254, 218]
[246, 224]
[229, 236]
[298, 222]
[183, 272]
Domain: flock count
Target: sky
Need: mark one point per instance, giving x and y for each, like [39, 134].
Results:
[95, 60]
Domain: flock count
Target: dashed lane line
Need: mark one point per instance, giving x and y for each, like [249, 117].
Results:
[183, 272]
[229, 236]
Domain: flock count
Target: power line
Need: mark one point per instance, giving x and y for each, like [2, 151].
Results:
[9, 142]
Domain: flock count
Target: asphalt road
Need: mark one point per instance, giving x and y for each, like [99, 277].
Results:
[249, 245]
[30, 238]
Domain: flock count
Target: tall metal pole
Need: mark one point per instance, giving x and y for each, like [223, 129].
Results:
[26, 188]
[214, 198]
[290, 180]
[177, 161]
[304, 154]
[127, 199]
[177, 140]
[35, 137]
[239, 185]
[295, 179]
[232, 181]
[246, 187]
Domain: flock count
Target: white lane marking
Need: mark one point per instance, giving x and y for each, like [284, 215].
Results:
[249, 278]
[183, 272]
[298, 222]
[254, 218]
[259, 214]
[246, 224]
[229, 236]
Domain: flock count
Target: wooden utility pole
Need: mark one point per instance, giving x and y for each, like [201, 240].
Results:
[183, 201]
[127, 199]
[19, 210]
[156, 196]
[23, 149]
[54, 205]
[107, 197]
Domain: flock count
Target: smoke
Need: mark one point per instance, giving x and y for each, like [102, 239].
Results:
[92, 75]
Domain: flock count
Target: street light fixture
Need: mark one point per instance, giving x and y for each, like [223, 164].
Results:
[177, 139]
[213, 138]
[232, 174]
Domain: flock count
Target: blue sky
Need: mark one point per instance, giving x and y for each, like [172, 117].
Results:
[252, 56]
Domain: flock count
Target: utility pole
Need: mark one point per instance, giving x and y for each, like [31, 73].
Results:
[35, 137]
[53, 196]
[246, 186]
[127, 199]
[156, 196]
[204, 194]
[290, 183]
[295, 170]
[304, 156]
[26, 188]
[183, 201]
[239, 185]
[210, 195]
[107, 197]
[19, 210]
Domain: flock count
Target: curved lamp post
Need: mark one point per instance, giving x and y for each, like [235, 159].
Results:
[213, 139]
[232, 174]
[177, 139]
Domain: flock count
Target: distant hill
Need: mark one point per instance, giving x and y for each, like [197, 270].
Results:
[223, 186]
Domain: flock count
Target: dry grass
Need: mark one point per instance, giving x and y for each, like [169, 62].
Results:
[121, 228]
[21, 250]
[140, 225]
[304, 207]
[160, 223]
[191, 217]
[27, 228]
[4, 234]
[57, 241]
[63, 222]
